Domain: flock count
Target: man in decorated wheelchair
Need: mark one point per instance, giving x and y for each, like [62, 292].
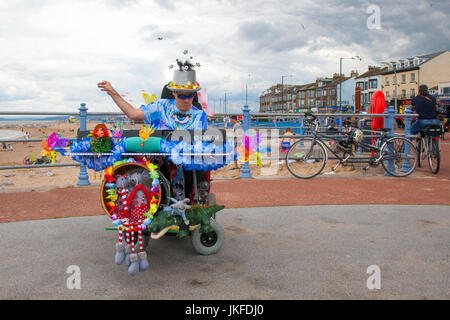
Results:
[170, 114]
[174, 115]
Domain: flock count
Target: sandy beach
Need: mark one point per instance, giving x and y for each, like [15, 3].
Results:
[57, 177]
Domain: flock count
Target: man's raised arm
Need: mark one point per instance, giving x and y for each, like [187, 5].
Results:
[128, 109]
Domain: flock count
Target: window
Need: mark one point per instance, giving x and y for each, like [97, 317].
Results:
[413, 77]
[403, 78]
[403, 94]
[445, 90]
[373, 84]
[324, 92]
[370, 96]
[387, 81]
[333, 92]
[303, 103]
[366, 85]
[318, 93]
[302, 94]
[366, 98]
[311, 102]
[311, 93]
[413, 92]
[388, 97]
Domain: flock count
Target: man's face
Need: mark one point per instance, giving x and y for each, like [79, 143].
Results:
[184, 100]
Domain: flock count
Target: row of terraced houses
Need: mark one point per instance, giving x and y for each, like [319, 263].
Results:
[397, 79]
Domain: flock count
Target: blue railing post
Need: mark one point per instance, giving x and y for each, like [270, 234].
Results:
[360, 150]
[391, 117]
[83, 177]
[302, 127]
[245, 170]
[389, 125]
[407, 165]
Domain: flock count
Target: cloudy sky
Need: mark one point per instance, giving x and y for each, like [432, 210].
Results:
[53, 52]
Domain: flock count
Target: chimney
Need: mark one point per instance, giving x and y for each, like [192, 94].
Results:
[353, 74]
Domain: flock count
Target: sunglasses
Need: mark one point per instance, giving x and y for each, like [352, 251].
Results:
[185, 96]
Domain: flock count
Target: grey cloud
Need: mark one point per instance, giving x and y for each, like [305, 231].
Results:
[272, 36]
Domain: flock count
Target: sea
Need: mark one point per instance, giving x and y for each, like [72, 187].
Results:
[33, 118]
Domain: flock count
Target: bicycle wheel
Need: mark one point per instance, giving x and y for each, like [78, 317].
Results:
[399, 156]
[419, 152]
[434, 157]
[306, 159]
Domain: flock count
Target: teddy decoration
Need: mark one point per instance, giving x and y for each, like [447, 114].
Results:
[131, 209]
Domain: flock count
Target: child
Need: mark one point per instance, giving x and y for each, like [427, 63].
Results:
[286, 143]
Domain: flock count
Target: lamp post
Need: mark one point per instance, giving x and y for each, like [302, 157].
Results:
[282, 89]
[340, 79]
[225, 101]
[395, 82]
[246, 91]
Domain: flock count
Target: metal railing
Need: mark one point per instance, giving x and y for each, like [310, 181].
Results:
[83, 178]
[249, 122]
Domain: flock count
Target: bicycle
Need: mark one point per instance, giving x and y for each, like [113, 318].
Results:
[428, 147]
[308, 156]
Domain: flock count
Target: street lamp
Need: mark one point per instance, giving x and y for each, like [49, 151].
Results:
[340, 78]
[225, 101]
[282, 89]
[389, 64]
[246, 90]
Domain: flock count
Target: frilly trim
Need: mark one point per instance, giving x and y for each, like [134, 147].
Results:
[176, 149]
[97, 163]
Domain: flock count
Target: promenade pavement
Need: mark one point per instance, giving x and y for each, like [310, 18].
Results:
[307, 252]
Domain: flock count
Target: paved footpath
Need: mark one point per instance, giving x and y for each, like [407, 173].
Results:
[308, 252]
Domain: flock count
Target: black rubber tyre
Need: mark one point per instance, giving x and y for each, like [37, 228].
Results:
[306, 159]
[434, 157]
[419, 152]
[208, 243]
[399, 157]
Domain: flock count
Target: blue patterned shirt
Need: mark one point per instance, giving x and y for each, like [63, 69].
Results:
[163, 114]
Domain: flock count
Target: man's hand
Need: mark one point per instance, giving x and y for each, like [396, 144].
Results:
[107, 87]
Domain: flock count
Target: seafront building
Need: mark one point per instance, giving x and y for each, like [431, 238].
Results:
[398, 80]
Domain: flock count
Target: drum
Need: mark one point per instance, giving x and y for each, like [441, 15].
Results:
[129, 168]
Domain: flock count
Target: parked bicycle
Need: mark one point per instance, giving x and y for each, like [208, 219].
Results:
[428, 147]
[308, 156]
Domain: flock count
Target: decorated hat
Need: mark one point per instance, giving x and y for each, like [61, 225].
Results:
[184, 78]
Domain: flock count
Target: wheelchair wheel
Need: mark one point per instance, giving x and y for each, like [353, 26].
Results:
[208, 243]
